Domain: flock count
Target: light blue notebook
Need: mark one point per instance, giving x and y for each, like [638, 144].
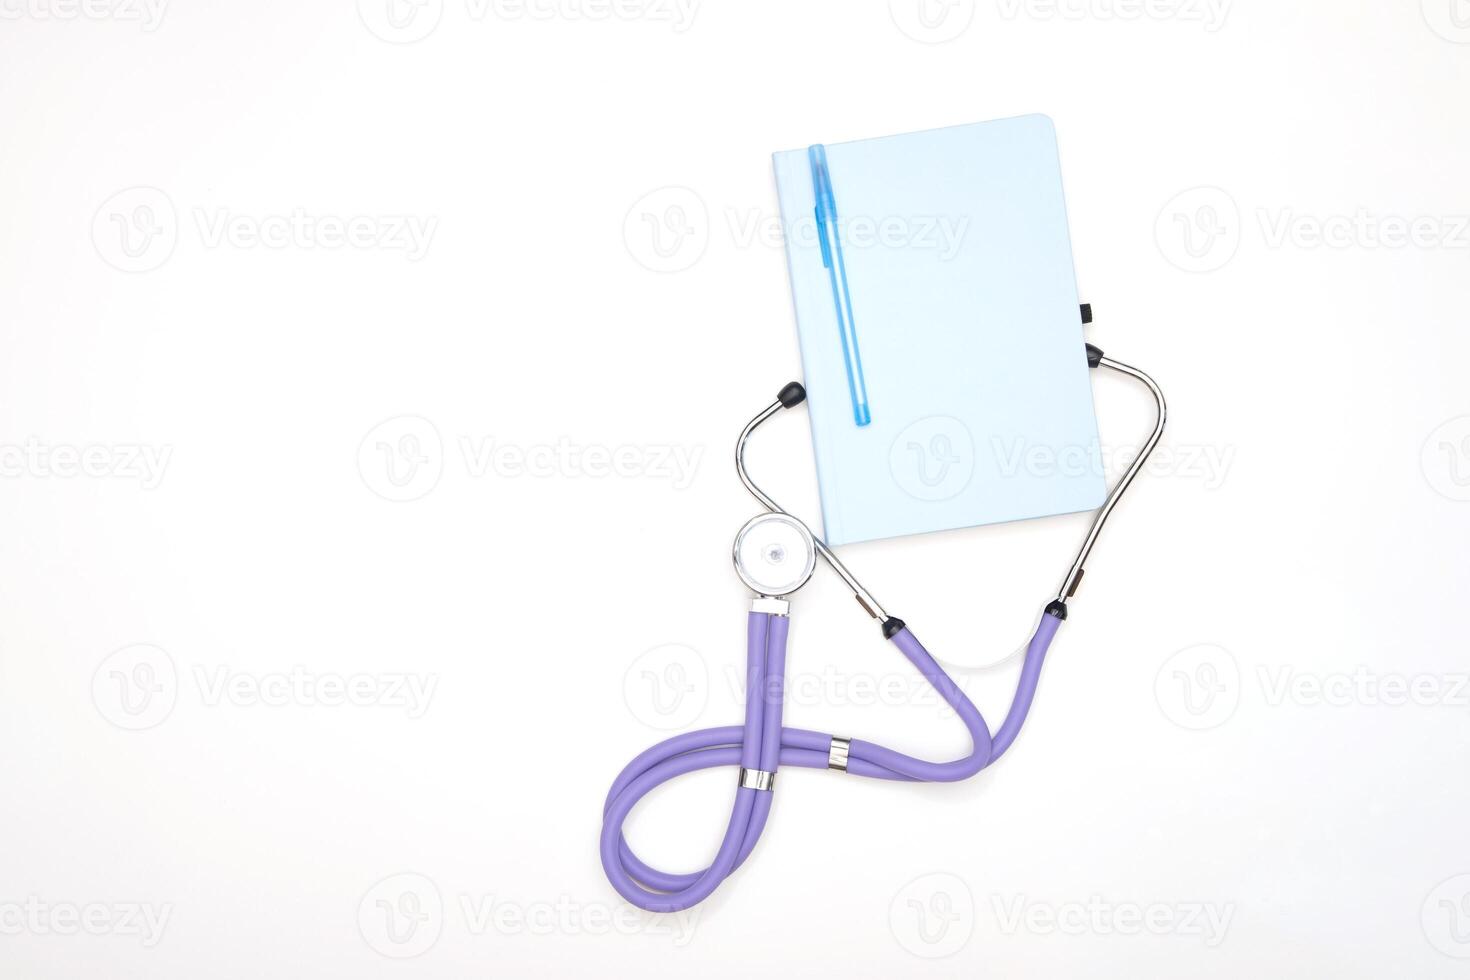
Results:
[964, 325]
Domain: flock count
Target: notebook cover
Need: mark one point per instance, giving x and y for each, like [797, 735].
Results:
[964, 300]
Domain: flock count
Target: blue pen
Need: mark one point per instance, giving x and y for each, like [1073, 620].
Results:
[837, 271]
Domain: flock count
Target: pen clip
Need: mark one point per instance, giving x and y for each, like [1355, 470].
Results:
[826, 209]
[822, 237]
[830, 237]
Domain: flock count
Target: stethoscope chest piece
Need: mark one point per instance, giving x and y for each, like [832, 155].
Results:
[774, 554]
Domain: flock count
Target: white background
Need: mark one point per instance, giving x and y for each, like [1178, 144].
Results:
[1223, 733]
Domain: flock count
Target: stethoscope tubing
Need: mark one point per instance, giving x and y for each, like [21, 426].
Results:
[762, 743]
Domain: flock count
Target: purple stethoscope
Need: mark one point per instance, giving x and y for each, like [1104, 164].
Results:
[775, 554]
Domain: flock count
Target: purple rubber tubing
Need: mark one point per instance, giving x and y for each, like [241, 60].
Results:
[763, 744]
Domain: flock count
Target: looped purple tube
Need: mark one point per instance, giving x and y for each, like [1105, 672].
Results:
[763, 744]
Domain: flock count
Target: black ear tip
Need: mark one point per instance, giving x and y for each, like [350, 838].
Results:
[792, 395]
